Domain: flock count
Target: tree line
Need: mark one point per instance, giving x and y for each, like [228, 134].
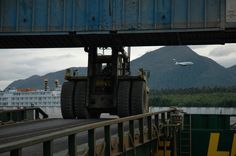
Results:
[194, 97]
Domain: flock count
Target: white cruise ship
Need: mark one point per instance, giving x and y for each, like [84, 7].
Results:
[28, 97]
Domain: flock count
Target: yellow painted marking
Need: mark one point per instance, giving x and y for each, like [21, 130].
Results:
[213, 146]
[233, 150]
[167, 143]
[161, 151]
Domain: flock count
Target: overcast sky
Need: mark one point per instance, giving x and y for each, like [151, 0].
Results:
[23, 63]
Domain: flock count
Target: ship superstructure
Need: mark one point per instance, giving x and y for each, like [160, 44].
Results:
[28, 97]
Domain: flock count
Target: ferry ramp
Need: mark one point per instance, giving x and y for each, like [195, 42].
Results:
[135, 135]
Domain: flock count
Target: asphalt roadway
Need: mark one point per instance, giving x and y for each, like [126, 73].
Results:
[24, 130]
[11, 133]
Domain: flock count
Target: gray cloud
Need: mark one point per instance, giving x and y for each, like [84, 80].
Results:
[223, 51]
[3, 84]
[40, 60]
[22, 63]
[195, 47]
[228, 61]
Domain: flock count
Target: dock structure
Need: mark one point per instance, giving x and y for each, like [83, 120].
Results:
[135, 135]
[162, 133]
[107, 23]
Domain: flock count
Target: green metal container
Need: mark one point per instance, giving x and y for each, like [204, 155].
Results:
[207, 135]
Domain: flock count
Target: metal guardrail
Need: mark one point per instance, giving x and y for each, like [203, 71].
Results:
[153, 120]
[22, 114]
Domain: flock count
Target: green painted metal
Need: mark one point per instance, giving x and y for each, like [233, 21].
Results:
[149, 121]
[121, 137]
[141, 130]
[200, 141]
[48, 148]
[91, 142]
[107, 140]
[208, 121]
[16, 152]
[72, 145]
[194, 138]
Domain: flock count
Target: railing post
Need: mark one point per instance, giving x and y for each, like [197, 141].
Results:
[149, 122]
[121, 137]
[157, 122]
[141, 130]
[131, 133]
[168, 119]
[16, 152]
[91, 142]
[10, 116]
[107, 140]
[36, 114]
[163, 120]
[72, 145]
[48, 148]
[131, 136]
[23, 113]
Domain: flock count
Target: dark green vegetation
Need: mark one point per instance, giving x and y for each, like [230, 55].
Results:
[194, 97]
[164, 73]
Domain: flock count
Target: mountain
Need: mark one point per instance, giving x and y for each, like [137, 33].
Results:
[38, 81]
[232, 70]
[164, 72]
